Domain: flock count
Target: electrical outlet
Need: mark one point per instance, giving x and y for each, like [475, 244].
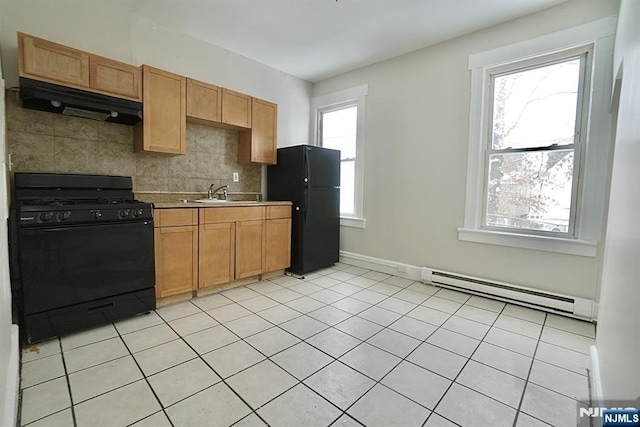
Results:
[236, 177]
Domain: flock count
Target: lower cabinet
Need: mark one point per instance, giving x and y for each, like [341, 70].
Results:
[277, 238]
[231, 244]
[176, 251]
[199, 248]
[249, 248]
[217, 254]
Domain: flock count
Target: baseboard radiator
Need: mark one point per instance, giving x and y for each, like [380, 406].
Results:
[533, 298]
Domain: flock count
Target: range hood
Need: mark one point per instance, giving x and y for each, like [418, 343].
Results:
[43, 96]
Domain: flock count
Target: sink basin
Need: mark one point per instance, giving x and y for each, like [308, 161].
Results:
[214, 201]
[211, 201]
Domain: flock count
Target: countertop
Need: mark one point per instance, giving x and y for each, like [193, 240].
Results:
[172, 200]
[192, 204]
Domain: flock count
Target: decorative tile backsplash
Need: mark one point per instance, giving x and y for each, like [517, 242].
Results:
[48, 142]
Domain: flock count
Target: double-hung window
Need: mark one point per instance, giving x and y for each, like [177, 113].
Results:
[339, 124]
[539, 141]
[534, 141]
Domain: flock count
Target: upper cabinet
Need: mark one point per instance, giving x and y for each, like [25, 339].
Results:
[114, 77]
[43, 60]
[259, 144]
[55, 63]
[168, 99]
[204, 101]
[236, 108]
[163, 127]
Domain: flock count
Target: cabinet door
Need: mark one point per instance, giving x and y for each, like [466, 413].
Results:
[163, 126]
[115, 78]
[259, 144]
[204, 101]
[249, 248]
[278, 244]
[176, 256]
[236, 108]
[217, 256]
[52, 62]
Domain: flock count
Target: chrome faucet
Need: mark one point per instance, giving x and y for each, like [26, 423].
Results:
[224, 188]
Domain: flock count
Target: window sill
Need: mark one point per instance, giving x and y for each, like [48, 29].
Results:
[539, 243]
[347, 221]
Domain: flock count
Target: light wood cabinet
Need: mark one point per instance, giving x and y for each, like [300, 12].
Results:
[232, 243]
[176, 251]
[114, 77]
[204, 102]
[51, 62]
[249, 248]
[216, 254]
[236, 108]
[259, 144]
[197, 248]
[277, 238]
[163, 127]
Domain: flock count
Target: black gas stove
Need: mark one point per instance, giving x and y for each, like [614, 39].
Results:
[81, 251]
[61, 199]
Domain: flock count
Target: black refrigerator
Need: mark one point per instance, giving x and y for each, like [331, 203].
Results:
[309, 176]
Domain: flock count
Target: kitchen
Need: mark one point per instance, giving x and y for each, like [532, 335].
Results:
[400, 191]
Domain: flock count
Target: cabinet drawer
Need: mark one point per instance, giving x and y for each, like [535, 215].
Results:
[274, 212]
[213, 215]
[175, 217]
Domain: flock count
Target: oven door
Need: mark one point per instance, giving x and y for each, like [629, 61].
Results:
[62, 266]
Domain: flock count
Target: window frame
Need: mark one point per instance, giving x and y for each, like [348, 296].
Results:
[595, 154]
[355, 96]
[585, 54]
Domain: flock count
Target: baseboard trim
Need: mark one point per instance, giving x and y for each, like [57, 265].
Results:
[10, 416]
[382, 265]
[596, 381]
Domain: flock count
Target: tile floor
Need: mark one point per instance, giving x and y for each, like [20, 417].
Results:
[344, 347]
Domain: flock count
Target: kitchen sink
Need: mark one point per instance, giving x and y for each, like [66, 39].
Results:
[214, 201]
[211, 201]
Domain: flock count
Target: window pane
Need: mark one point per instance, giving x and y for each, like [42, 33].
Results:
[347, 186]
[536, 108]
[530, 190]
[339, 131]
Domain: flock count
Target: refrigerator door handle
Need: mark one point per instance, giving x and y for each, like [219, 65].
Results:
[307, 166]
[306, 205]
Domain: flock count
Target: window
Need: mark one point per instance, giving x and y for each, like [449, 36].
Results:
[532, 159]
[339, 124]
[337, 129]
[539, 141]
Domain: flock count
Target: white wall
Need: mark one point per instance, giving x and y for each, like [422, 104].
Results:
[109, 29]
[416, 156]
[619, 323]
[8, 334]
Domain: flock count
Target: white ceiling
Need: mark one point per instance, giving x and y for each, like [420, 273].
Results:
[317, 39]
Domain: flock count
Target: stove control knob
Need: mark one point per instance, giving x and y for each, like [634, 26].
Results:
[46, 216]
[137, 212]
[97, 214]
[64, 215]
[123, 213]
